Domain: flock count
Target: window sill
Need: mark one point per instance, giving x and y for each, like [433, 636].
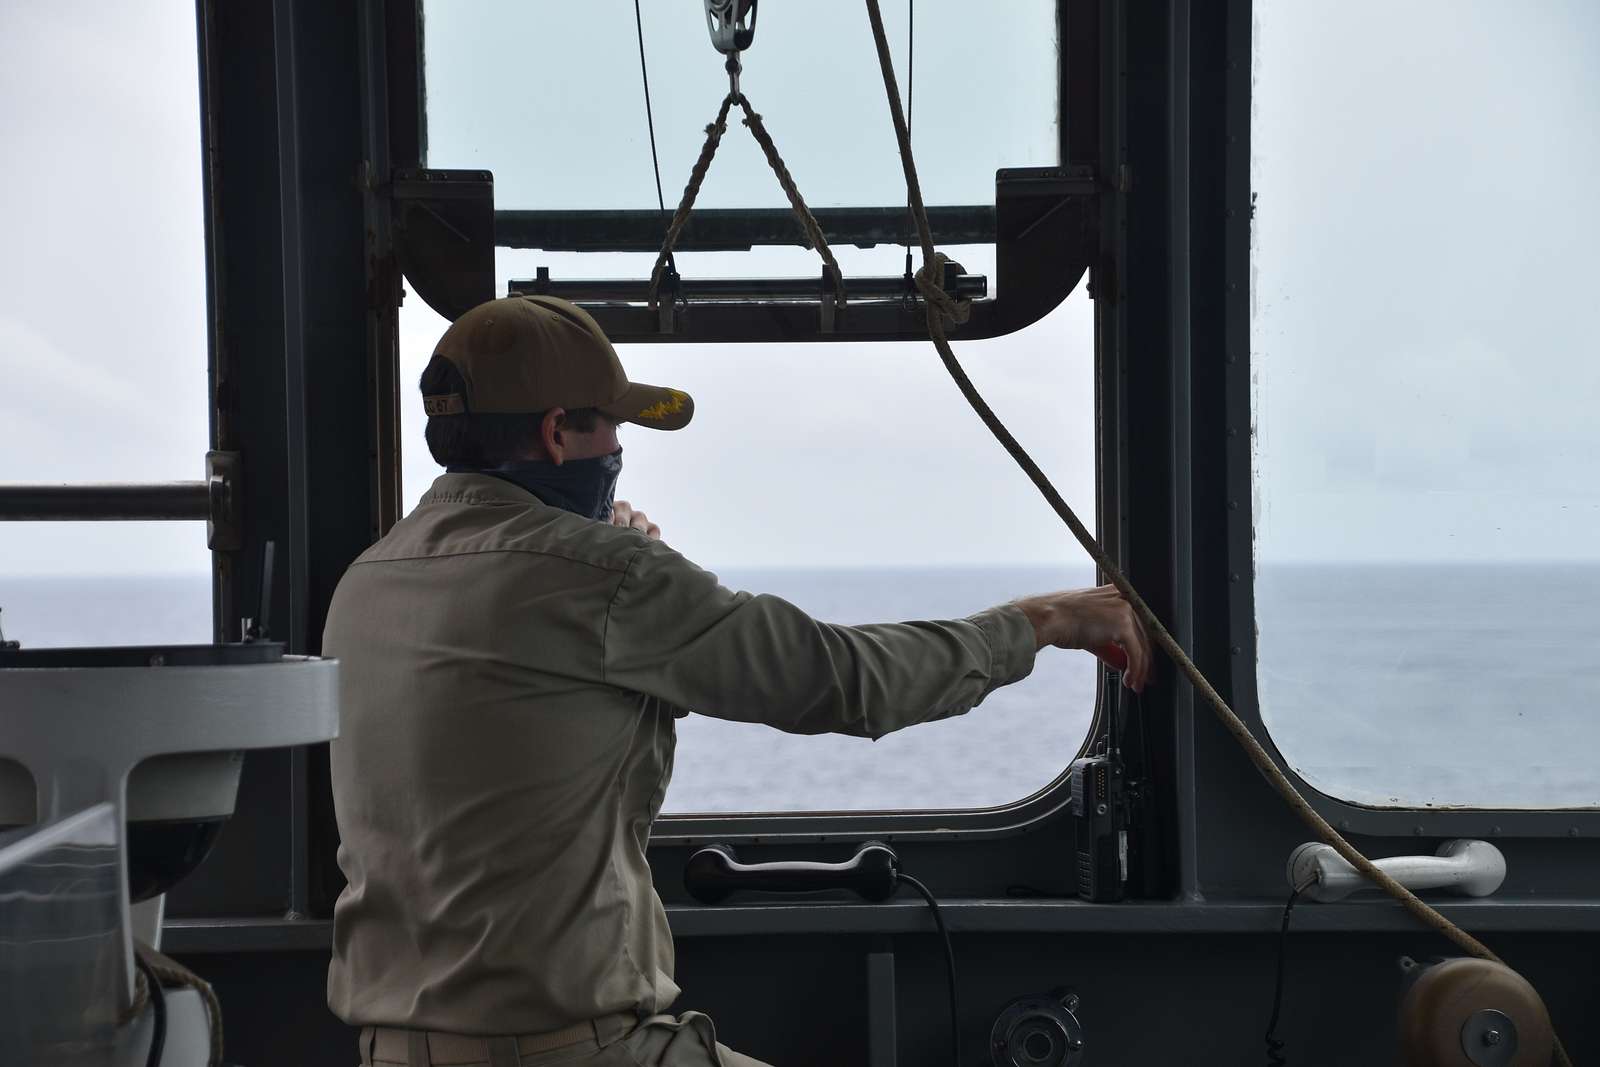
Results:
[197, 936]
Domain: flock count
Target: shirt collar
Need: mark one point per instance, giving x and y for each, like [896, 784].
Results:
[476, 489]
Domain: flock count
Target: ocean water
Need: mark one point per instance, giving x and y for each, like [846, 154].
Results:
[1474, 685]
[1391, 685]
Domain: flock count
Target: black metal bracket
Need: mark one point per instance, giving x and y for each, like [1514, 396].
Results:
[1045, 228]
[445, 236]
[1046, 235]
[225, 502]
[720, 229]
[700, 291]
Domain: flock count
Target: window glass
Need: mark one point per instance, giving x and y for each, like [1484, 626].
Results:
[102, 314]
[1428, 519]
[549, 97]
[869, 493]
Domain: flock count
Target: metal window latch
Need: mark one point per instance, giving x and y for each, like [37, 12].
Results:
[1471, 868]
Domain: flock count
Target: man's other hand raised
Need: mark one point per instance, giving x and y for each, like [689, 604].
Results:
[623, 514]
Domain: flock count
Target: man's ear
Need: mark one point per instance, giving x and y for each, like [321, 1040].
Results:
[551, 436]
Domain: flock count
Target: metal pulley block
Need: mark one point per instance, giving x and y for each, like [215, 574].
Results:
[732, 24]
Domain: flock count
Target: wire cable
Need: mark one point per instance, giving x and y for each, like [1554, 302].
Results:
[1275, 1056]
[158, 1012]
[911, 92]
[949, 962]
[649, 114]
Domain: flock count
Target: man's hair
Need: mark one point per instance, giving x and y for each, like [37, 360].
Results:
[486, 439]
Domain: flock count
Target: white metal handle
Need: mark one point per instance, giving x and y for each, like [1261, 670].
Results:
[1471, 868]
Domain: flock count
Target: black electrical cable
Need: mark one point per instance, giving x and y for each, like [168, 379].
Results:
[649, 115]
[949, 962]
[911, 90]
[158, 1013]
[1275, 1056]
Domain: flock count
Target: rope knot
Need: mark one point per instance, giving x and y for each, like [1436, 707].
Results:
[930, 283]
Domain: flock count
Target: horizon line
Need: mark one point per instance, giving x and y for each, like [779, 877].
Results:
[989, 565]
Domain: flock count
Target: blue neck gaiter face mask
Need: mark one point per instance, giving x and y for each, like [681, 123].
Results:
[582, 486]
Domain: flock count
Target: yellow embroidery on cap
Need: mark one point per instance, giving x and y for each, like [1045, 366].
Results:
[665, 407]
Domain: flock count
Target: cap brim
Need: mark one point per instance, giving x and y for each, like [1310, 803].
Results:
[654, 406]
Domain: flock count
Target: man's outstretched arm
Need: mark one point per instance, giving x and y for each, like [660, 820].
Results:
[675, 633]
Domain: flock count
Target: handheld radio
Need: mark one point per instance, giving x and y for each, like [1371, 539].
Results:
[1100, 804]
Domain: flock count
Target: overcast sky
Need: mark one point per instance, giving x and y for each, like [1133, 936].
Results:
[1425, 272]
[1424, 284]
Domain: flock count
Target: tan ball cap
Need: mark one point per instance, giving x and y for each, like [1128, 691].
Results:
[524, 354]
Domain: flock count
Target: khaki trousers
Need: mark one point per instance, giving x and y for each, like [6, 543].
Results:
[687, 1040]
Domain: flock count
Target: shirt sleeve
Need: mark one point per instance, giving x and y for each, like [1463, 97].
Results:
[674, 632]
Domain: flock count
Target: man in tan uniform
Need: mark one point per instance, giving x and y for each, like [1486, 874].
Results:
[512, 657]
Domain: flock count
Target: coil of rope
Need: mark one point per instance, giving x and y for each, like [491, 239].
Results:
[945, 311]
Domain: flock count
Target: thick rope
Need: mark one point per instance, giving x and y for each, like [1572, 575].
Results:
[141, 999]
[697, 176]
[943, 311]
[170, 972]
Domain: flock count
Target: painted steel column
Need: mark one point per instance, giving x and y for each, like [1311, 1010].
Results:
[382, 272]
[1182, 482]
[294, 386]
[248, 872]
[294, 352]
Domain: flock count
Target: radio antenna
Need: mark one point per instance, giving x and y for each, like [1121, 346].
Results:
[260, 627]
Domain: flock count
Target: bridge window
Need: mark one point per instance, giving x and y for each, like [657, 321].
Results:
[879, 498]
[549, 97]
[1428, 529]
[102, 314]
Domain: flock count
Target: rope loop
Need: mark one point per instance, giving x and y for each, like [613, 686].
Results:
[808, 222]
[949, 310]
[697, 177]
[810, 229]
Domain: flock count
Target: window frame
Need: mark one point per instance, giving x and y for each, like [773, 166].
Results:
[1345, 815]
[271, 885]
[1038, 214]
[933, 824]
[1180, 539]
[1080, 85]
[1123, 449]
